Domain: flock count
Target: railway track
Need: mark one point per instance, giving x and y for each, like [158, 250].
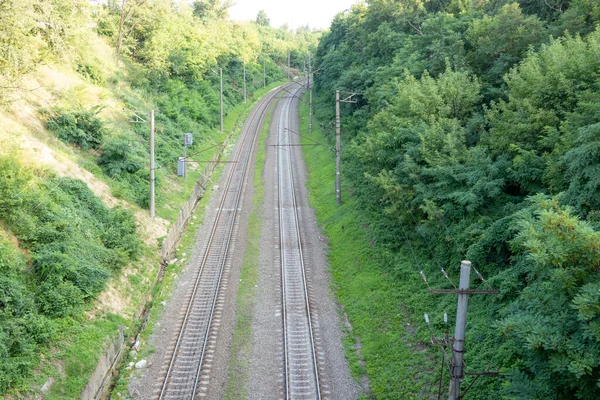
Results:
[301, 365]
[187, 373]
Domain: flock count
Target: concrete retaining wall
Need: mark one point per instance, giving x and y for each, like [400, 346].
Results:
[99, 383]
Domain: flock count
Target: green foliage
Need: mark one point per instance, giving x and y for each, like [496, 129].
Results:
[262, 19]
[471, 113]
[73, 242]
[553, 322]
[502, 40]
[34, 30]
[121, 156]
[80, 127]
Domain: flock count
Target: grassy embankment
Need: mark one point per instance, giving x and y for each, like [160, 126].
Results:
[395, 356]
[163, 291]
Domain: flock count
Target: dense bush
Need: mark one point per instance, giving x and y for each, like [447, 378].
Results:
[22, 327]
[554, 322]
[80, 127]
[74, 243]
[121, 156]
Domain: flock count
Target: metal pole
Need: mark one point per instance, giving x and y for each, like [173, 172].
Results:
[152, 177]
[184, 157]
[309, 71]
[265, 73]
[289, 58]
[310, 110]
[310, 113]
[338, 177]
[244, 83]
[221, 97]
[459, 333]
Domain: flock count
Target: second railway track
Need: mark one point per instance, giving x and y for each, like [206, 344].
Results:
[301, 364]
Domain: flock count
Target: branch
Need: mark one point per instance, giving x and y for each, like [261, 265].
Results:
[559, 8]
[419, 31]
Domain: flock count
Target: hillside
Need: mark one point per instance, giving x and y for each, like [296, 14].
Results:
[79, 253]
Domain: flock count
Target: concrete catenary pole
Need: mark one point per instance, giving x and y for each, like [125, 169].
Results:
[338, 176]
[289, 62]
[310, 96]
[265, 73]
[244, 83]
[459, 333]
[221, 96]
[184, 157]
[152, 177]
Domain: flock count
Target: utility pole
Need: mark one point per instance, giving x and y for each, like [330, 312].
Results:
[244, 82]
[458, 347]
[264, 73]
[289, 72]
[310, 113]
[338, 163]
[187, 141]
[152, 177]
[184, 155]
[139, 120]
[457, 343]
[221, 96]
[338, 160]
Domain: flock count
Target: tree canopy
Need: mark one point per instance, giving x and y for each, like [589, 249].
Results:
[262, 19]
[476, 137]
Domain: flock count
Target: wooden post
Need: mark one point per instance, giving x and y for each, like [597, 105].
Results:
[244, 83]
[221, 96]
[152, 177]
[458, 346]
[338, 177]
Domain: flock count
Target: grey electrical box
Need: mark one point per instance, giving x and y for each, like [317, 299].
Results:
[181, 166]
[188, 139]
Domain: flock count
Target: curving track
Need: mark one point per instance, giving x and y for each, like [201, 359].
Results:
[301, 366]
[187, 372]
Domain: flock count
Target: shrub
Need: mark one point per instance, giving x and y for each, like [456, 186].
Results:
[120, 156]
[58, 298]
[80, 127]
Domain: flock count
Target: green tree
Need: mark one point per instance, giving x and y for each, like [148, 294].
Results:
[553, 323]
[262, 19]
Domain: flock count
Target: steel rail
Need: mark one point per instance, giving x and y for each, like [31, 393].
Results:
[288, 180]
[259, 111]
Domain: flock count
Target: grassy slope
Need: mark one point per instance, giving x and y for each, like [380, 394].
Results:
[397, 361]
